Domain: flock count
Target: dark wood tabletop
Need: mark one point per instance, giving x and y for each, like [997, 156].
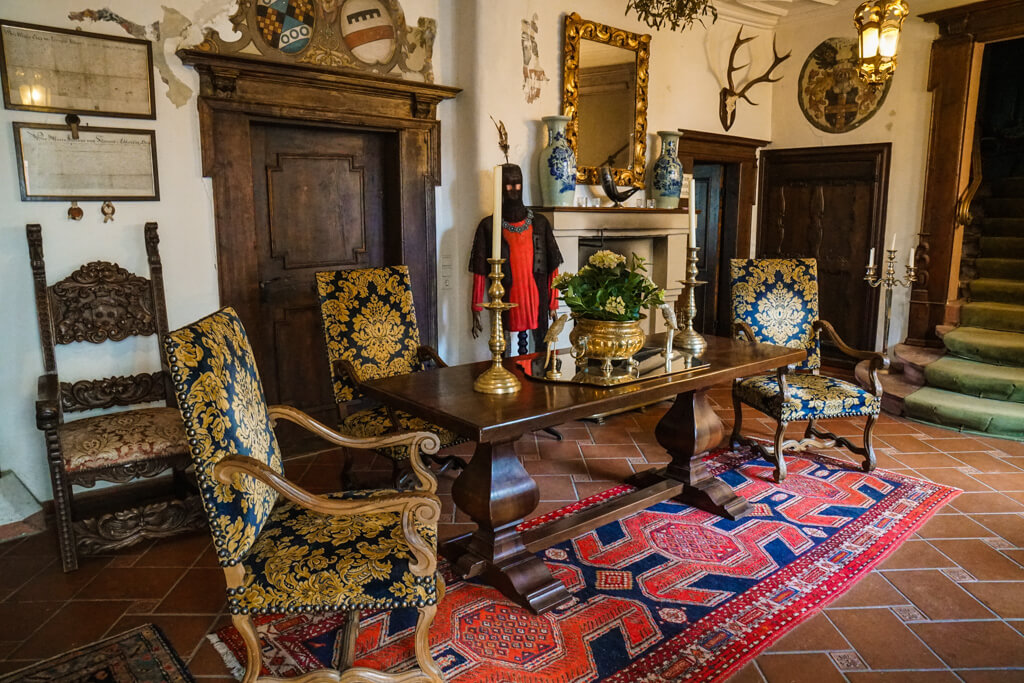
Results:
[445, 396]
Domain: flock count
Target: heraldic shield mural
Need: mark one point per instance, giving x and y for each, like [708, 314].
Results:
[831, 95]
[365, 35]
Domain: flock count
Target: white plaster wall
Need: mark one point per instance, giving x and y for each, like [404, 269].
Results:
[902, 120]
[477, 49]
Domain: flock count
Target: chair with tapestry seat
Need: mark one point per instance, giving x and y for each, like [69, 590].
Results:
[284, 549]
[101, 302]
[369, 324]
[775, 301]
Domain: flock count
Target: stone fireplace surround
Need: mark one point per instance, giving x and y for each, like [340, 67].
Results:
[657, 234]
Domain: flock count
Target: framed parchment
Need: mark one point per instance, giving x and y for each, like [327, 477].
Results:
[57, 70]
[102, 163]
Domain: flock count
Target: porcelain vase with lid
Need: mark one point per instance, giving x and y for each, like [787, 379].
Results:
[557, 165]
[668, 172]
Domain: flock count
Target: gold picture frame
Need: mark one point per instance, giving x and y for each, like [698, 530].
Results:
[577, 30]
[98, 164]
[63, 71]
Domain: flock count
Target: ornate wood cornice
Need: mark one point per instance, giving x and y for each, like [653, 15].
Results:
[986, 21]
[701, 144]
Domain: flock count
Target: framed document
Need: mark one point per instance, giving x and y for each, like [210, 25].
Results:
[102, 163]
[57, 70]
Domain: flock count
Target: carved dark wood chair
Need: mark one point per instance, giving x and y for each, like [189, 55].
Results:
[284, 549]
[370, 328]
[775, 301]
[102, 302]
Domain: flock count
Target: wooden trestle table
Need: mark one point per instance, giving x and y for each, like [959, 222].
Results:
[497, 493]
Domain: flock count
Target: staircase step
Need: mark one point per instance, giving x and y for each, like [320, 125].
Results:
[1008, 187]
[993, 316]
[1003, 247]
[1001, 227]
[987, 346]
[991, 289]
[977, 379]
[1001, 268]
[914, 359]
[1008, 207]
[966, 413]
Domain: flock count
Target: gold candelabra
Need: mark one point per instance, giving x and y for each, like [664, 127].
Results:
[496, 379]
[688, 339]
[888, 282]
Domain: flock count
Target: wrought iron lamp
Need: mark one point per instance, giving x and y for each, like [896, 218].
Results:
[878, 24]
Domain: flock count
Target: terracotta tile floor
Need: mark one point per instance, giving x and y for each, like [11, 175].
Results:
[947, 606]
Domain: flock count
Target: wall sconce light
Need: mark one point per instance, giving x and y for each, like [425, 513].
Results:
[878, 24]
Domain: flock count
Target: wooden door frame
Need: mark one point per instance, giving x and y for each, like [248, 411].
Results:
[715, 148]
[953, 79]
[234, 92]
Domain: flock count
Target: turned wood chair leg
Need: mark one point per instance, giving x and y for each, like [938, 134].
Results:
[869, 449]
[809, 432]
[422, 643]
[345, 645]
[780, 461]
[737, 421]
[253, 654]
[62, 509]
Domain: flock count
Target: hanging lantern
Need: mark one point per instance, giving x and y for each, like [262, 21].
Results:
[878, 24]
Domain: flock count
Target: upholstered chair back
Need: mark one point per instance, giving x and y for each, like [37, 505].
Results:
[778, 298]
[369, 321]
[225, 412]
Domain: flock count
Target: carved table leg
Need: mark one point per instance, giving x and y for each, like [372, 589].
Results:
[497, 493]
[687, 431]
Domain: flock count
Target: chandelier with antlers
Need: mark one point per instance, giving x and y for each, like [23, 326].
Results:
[676, 13]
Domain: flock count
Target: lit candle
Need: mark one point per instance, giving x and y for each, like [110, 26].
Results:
[692, 202]
[496, 218]
[871, 258]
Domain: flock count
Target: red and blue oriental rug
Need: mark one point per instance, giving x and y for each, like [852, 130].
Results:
[669, 593]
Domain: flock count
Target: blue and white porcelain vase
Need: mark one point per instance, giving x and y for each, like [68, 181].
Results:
[668, 172]
[557, 165]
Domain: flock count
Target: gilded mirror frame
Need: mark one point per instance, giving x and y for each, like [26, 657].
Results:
[577, 29]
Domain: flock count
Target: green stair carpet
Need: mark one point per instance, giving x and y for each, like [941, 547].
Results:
[993, 316]
[986, 346]
[976, 379]
[991, 289]
[1002, 268]
[1008, 187]
[1005, 247]
[1004, 206]
[1001, 227]
[966, 413]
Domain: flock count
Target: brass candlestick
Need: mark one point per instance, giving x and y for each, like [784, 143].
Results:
[497, 379]
[888, 282]
[688, 339]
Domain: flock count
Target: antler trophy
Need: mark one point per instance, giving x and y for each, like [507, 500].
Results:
[730, 96]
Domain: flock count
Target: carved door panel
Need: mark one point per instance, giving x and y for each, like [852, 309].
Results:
[708, 181]
[828, 203]
[318, 204]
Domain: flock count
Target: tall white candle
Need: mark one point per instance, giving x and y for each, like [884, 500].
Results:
[910, 259]
[692, 202]
[871, 258]
[893, 247]
[496, 222]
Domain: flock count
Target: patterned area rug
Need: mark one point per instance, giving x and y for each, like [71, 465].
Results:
[141, 655]
[669, 593]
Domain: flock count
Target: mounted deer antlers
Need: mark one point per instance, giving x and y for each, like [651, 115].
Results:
[729, 95]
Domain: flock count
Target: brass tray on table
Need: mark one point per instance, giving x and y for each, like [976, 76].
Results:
[649, 363]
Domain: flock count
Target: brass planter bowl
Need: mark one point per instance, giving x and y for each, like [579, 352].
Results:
[605, 341]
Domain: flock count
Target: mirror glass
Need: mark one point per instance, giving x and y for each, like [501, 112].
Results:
[605, 98]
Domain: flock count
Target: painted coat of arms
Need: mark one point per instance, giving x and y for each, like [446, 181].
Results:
[831, 94]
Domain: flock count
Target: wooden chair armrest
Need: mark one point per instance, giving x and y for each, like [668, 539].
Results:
[418, 442]
[410, 505]
[49, 413]
[780, 376]
[345, 367]
[877, 361]
[429, 353]
[741, 328]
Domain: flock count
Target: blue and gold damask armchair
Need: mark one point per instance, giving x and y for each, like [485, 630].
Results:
[283, 549]
[775, 301]
[369, 324]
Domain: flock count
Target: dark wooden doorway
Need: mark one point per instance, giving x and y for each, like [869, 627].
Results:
[708, 183]
[319, 201]
[828, 203]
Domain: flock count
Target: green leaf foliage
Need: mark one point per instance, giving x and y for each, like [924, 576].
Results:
[606, 289]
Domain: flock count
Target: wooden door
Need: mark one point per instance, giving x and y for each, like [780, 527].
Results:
[708, 182]
[828, 203]
[319, 204]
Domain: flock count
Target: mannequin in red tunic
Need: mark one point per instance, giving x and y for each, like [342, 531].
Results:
[531, 263]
